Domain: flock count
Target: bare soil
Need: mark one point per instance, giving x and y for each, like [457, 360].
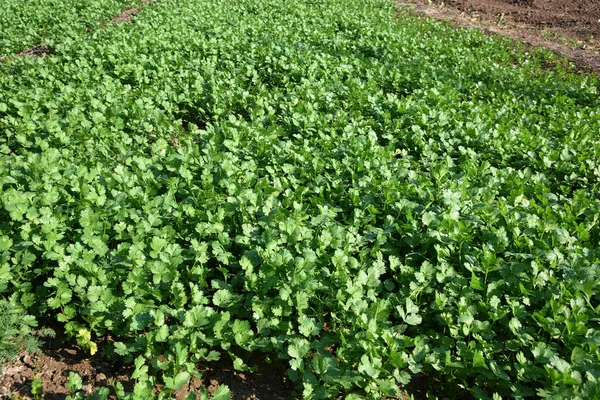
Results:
[570, 28]
[128, 14]
[56, 360]
[37, 51]
[578, 19]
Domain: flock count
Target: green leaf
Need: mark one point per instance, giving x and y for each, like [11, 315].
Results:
[36, 387]
[222, 298]
[100, 394]
[325, 366]
[367, 367]
[542, 353]
[413, 319]
[298, 348]
[308, 326]
[429, 218]
[178, 381]
[410, 314]
[5, 243]
[388, 387]
[74, 383]
[222, 393]
[239, 365]
[121, 349]
[354, 396]
[242, 332]
[475, 282]
[478, 360]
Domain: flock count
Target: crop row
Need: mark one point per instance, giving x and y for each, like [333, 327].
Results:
[360, 194]
[25, 24]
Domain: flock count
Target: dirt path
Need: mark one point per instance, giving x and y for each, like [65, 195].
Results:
[567, 27]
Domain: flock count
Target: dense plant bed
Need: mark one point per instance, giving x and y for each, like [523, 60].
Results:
[361, 194]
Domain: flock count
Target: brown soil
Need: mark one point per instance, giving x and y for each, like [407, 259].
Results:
[37, 51]
[570, 28]
[578, 19]
[52, 365]
[269, 382]
[126, 15]
[56, 361]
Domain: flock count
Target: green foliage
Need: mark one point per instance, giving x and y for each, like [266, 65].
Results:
[24, 24]
[365, 195]
[37, 388]
[16, 332]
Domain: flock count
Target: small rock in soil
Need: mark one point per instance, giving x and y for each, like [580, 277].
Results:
[100, 378]
[26, 359]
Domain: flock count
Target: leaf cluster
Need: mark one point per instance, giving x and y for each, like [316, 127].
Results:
[25, 24]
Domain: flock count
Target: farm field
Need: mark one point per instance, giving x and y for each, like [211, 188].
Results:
[335, 194]
[576, 19]
[567, 27]
[25, 25]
